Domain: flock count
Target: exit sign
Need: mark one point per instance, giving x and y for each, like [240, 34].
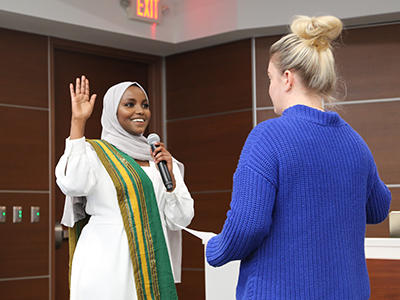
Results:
[145, 10]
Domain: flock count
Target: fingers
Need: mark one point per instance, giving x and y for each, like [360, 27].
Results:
[93, 99]
[71, 90]
[84, 86]
[85, 82]
[161, 153]
[81, 87]
[77, 86]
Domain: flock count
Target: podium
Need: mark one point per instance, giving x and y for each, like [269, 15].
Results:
[221, 281]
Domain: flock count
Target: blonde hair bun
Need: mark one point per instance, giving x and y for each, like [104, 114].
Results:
[317, 31]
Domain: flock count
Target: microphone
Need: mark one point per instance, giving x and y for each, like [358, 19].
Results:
[162, 165]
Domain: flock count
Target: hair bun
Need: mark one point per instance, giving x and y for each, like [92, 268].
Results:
[317, 31]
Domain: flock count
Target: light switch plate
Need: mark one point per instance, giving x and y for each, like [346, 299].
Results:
[35, 214]
[3, 214]
[17, 214]
[394, 224]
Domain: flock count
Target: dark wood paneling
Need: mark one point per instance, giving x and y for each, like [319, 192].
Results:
[24, 148]
[210, 148]
[263, 115]
[102, 72]
[202, 86]
[104, 67]
[378, 124]
[382, 229]
[262, 59]
[23, 69]
[192, 251]
[369, 62]
[192, 286]
[211, 80]
[205, 219]
[30, 289]
[24, 249]
[384, 279]
[210, 211]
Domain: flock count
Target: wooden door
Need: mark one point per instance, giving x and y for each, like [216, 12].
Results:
[103, 67]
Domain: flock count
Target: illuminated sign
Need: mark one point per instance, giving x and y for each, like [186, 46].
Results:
[145, 10]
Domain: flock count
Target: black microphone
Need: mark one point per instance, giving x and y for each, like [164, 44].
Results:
[162, 165]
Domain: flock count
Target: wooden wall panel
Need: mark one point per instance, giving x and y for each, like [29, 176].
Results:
[384, 278]
[192, 285]
[24, 147]
[210, 148]
[209, 115]
[24, 249]
[71, 64]
[23, 69]
[208, 81]
[24, 168]
[369, 62]
[210, 215]
[378, 124]
[263, 115]
[103, 67]
[262, 60]
[31, 289]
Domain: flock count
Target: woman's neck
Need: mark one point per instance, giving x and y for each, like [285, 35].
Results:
[307, 99]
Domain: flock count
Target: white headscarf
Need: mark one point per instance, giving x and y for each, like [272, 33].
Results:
[134, 145]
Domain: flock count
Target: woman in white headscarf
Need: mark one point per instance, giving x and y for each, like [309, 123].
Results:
[121, 252]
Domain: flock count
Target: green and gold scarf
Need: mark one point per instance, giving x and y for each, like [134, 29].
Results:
[139, 210]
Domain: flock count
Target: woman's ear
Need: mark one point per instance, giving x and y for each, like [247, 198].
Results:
[289, 76]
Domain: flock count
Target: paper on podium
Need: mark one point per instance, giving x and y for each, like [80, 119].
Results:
[221, 281]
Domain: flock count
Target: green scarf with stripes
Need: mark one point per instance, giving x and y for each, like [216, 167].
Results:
[139, 210]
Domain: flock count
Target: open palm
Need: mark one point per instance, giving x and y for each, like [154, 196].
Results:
[82, 104]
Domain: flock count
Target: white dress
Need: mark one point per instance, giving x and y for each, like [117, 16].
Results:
[101, 267]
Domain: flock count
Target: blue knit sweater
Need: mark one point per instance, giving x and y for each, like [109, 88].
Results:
[305, 187]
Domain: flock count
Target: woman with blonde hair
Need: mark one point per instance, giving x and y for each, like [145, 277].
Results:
[305, 186]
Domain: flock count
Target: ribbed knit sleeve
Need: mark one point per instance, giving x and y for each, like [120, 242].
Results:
[378, 202]
[249, 219]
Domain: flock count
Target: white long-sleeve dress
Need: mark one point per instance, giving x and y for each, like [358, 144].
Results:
[101, 266]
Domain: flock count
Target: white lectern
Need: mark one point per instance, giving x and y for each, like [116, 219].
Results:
[220, 282]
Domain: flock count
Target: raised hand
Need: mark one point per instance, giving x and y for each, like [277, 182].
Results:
[82, 106]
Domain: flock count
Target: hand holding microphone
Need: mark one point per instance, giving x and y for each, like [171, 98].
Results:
[163, 156]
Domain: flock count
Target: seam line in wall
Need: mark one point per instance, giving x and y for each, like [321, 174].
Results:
[24, 107]
[211, 115]
[393, 186]
[50, 133]
[254, 83]
[368, 101]
[212, 192]
[164, 102]
[348, 102]
[25, 278]
[24, 192]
